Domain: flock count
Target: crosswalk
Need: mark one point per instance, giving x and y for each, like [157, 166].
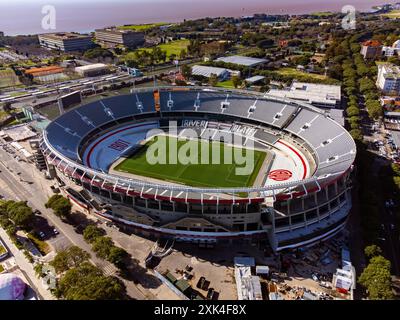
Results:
[108, 268]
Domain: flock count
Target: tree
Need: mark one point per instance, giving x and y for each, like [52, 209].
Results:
[396, 168]
[186, 71]
[352, 111]
[61, 206]
[374, 108]
[87, 282]
[19, 213]
[92, 232]
[98, 53]
[102, 246]
[118, 51]
[172, 57]
[182, 54]
[366, 85]
[7, 107]
[213, 80]
[117, 256]
[265, 43]
[356, 134]
[376, 279]
[69, 258]
[372, 251]
[236, 81]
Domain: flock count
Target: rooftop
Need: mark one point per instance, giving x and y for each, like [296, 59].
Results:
[91, 67]
[390, 70]
[372, 43]
[64, 35]
[18, 132]
[44, 70]
[206, 71]
[254, 79]
[243, 61]
[310, 92]
[115, 30]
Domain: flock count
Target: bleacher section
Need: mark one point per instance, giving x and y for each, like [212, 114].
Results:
[333, 147]
[271, 112]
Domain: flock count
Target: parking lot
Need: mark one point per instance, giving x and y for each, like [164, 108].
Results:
[307, 274]
[214, 264]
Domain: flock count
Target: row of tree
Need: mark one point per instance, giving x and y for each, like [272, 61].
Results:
[18, 212]
[61, 206]
[81, 280]
[376, 277]
[104, 246]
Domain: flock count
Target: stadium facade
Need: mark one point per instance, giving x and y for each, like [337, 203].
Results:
[301, 196]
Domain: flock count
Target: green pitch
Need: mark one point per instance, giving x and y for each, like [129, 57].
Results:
[198, 174]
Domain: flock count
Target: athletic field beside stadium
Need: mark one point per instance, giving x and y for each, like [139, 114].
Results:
[204, 173]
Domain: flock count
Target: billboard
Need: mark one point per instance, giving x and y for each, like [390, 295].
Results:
[69, 100]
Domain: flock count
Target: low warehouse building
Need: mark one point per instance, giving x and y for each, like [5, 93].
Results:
[92, 70]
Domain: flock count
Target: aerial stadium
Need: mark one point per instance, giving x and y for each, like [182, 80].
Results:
[295, 192]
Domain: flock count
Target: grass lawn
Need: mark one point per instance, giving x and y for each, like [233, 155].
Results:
[225, 84]
[142, 27]
[173, 47]
[3, 115]
[394, 14]
[1, 268]
[8, 78]
[303, 76]
[196, 175]
[2, 250]
[42, 246]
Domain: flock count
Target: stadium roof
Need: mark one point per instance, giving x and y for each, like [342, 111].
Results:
[207, 71]
[63, 136]
[310, 92]
[243, 61]
[337, 115]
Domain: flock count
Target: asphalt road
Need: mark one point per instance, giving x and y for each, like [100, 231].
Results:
[389, 232]
[25, 183]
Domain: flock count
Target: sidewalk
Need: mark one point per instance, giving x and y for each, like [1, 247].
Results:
[26, 267]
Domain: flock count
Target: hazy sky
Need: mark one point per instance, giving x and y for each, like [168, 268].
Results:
[24, 16]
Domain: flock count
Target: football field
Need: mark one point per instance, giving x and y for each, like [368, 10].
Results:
[200, 170]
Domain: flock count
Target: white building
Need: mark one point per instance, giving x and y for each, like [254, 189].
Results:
[206, 71]
[319, 95]
[344, 280]
[248, 286]
[243, 61]
[388, 79]
[390, 51]
[92, 70]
